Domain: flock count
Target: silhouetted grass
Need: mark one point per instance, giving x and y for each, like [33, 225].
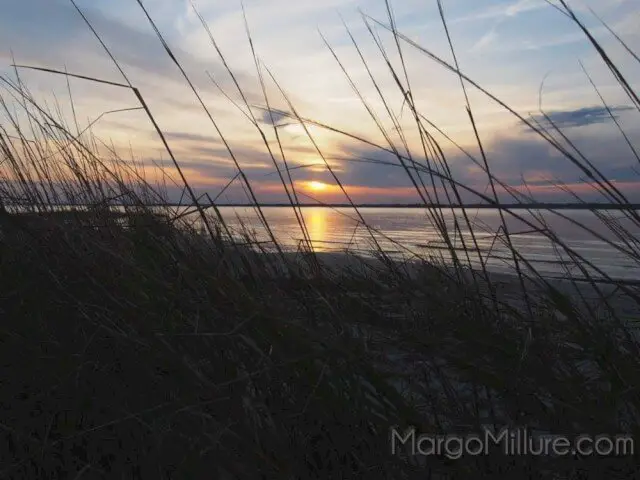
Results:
[134, 344]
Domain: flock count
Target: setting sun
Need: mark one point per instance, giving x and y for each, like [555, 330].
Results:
[317, 186]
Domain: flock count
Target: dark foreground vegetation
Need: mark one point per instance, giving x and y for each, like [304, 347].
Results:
[143, 352]
[134, 345]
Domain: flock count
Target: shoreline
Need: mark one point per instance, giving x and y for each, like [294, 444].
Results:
[505, 206]
[507, 285]
[346, 259]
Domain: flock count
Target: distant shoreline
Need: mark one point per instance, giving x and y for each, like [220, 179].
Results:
[505, 206]
[535, 206]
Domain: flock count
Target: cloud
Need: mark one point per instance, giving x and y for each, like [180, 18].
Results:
[274, 117]
[212, 156]
[367, 166]
[579, 117]
[188, 137]
[502, 11]
[515, 158]
[51, 33]
[501, 14]
[485, 41]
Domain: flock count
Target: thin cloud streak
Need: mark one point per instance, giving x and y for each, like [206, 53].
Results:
[579, 117]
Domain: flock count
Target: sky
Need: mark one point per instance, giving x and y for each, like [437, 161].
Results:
[329, 61]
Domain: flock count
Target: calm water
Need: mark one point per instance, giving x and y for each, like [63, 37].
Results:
[406, 232]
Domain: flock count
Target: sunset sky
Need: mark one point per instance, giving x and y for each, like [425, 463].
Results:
[509, 47]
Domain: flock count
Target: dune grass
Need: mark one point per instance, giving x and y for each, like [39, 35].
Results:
[134, 345]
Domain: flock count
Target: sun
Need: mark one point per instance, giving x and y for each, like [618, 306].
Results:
[317, 186]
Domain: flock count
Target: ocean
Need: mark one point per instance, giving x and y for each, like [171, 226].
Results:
[406, 233]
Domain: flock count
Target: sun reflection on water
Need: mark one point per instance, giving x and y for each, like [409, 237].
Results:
[317, 223]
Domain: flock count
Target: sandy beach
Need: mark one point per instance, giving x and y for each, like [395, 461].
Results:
[592, 297]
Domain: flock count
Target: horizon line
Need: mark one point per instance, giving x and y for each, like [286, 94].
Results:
[535, 205]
